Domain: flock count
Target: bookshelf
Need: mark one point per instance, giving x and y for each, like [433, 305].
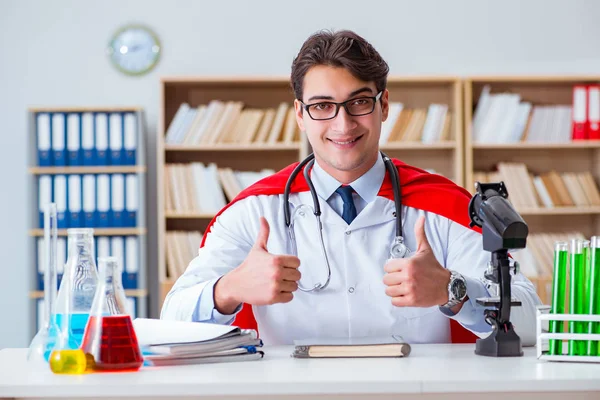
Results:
[560, 153]
[73, 149]
[263, 93]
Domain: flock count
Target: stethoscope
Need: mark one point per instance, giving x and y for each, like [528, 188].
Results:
[398, 248]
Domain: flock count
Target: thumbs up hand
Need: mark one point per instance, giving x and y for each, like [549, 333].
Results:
[263, 278]
[419, 280]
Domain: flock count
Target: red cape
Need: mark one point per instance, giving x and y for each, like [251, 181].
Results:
[420, 189]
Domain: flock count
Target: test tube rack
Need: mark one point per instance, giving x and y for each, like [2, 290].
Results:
[543, 336]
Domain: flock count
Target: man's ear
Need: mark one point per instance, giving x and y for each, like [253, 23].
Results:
[385, 105]
[299, 114]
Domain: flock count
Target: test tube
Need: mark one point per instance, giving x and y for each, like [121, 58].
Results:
[576, 298]
[594, 294]
[559, 283]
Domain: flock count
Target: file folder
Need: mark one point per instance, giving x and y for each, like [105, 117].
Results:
[117, 200]
[103, 200]
[74, 139]
[89, 201]
[117, 249]
[579, 113]
[130, 273]
[75, 209]
[103, 247]
[44, 196]
[59, 134]
[593, 117]
[101, 139]
[116, 139]
[60, 198]
[88, 139]
[131, 200]
[130, 139]
[44, 140]
[41, 262]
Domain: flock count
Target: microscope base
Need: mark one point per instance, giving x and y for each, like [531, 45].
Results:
[500, 343]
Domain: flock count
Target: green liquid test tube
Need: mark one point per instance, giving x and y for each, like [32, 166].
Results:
[559, 286]
[577, 298]
[594, 294]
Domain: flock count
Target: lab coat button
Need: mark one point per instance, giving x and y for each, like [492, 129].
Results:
[350, 289]
[348, 232]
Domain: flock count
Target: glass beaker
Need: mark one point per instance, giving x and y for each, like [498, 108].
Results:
[80, 272]
[44, 340]
[110, 339]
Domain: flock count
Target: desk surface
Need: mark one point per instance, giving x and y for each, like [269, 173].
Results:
[432, 369]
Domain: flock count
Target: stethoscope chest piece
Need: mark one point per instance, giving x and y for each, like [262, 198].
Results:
[399, 249]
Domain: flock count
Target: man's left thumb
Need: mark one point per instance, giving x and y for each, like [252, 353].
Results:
[422, 242]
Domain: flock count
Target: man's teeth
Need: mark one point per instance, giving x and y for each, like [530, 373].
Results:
[344, 142]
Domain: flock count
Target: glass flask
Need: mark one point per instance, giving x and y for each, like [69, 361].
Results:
[82, 277]
[43, 342]
[110, 339]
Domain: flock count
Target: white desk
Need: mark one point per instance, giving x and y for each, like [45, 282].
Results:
[430, 372]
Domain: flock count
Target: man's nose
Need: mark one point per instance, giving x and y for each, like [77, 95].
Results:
[343, 122]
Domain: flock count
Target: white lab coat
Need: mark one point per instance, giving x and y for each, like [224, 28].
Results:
[354, 304]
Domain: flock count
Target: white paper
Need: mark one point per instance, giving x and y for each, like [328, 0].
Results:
[157, 331]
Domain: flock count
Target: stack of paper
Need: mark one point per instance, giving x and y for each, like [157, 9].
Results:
[176, 342]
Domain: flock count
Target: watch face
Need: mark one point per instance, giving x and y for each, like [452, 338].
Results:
[459, 289]
[134, 50]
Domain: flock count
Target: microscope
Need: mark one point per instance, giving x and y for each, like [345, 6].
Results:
[502, 229]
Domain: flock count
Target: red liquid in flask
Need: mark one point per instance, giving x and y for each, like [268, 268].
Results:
[112, 343]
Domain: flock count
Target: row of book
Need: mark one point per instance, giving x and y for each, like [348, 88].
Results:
[125, 248]
[181, 248]
[86, 139]
[231, 122]
[537, 259]
[546, 190]
[90, 200]
[417, 125]
[506, 118]
[199, 188]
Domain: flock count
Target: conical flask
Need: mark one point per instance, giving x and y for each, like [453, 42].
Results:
[109, 336]
[43, 342]
[82, 278]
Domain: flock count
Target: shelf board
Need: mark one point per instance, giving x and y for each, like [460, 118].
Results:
[577, 210]
[38, 294]
[533, 78]
[582, 144]
[233, 147]
[85, 109]
[117, 169]
[180, 215]
[418, 146]
[97, 232]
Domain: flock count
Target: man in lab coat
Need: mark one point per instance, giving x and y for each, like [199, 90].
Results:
[246, 257]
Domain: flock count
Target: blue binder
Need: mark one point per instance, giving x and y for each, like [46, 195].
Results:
[130, 138]
[59, 138]
[103, 201]
[131, 200]
[117, 154]
[117, 200]
[132, 263]
[75, 199]
[44, 196]
[88, 142]
[60, 194]
[74, 150]
[101, 139]
[89, 201]
[44, 140]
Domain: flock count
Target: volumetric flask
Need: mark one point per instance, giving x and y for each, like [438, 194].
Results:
[81, 273]
[43, 342]
[110, 339]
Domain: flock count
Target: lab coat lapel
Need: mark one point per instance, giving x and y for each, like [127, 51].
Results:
[328, 214]
[379, 211]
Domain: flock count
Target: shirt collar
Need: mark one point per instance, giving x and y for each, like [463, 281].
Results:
[366, 186]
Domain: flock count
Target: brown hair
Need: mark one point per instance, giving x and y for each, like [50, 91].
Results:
[343, 49]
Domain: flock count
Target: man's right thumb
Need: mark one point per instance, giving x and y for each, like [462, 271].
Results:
[263, 235]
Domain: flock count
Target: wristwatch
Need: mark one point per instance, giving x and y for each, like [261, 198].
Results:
[457, 289]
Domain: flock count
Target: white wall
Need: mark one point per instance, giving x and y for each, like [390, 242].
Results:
[52, 53]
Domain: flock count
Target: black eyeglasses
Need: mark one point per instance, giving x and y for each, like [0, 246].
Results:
[356, 107]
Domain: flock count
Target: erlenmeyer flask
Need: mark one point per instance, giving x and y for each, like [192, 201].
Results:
[109, 335]
[80, 272]
[43, 342]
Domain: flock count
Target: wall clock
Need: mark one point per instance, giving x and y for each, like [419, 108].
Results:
[134, 50]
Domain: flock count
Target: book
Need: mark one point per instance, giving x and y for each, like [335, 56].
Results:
[387, 346]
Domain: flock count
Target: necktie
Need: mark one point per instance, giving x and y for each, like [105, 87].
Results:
[349, 212]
